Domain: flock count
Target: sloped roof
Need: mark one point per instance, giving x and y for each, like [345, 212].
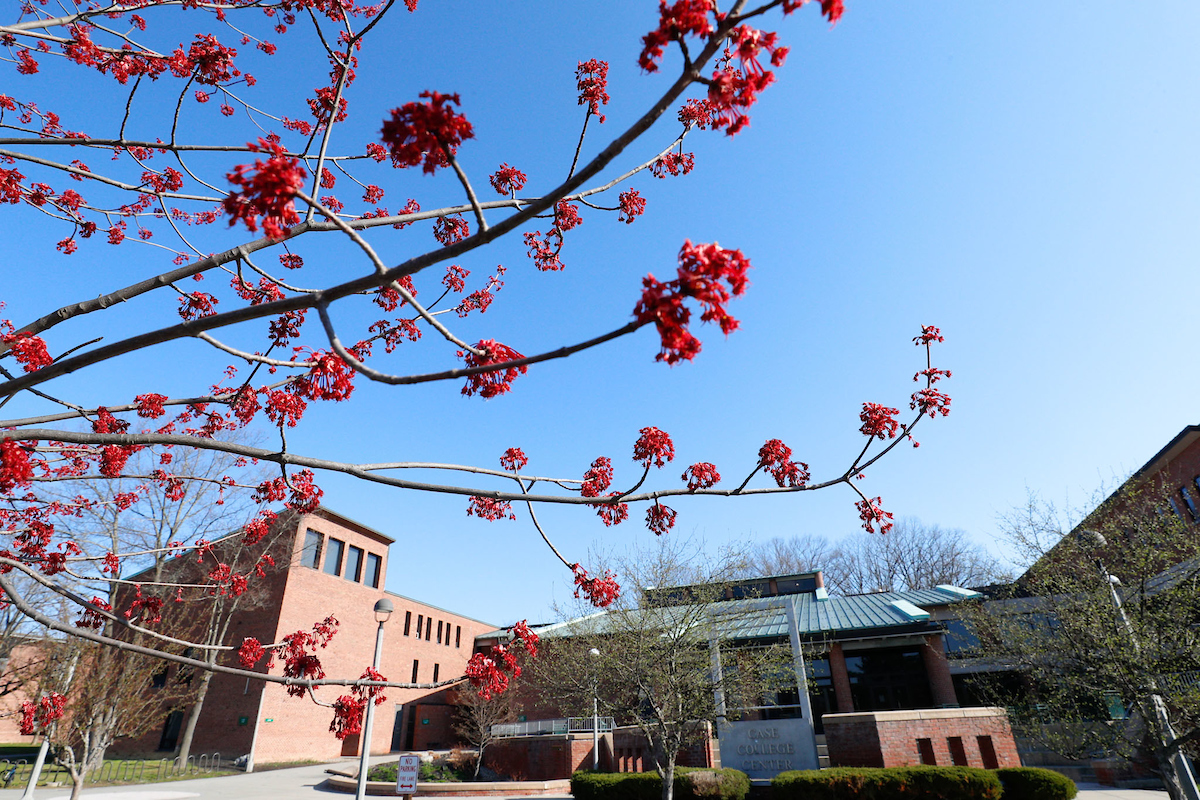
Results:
[766, 617]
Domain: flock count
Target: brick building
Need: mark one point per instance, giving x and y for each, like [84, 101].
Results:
[328, 564]
[862, 653]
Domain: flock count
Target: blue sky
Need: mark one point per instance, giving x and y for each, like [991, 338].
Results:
[1025, 177]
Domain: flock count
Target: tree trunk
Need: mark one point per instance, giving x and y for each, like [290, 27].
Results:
[479, 761]
[668, 778]
[77, 783]
[189, 731]
[1170, 778]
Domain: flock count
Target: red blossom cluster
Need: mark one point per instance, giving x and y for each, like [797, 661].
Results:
[37, 717]
[545, 250]
[451, 230]
[871, 513]
[29, 350]
[654, 446]
[299, 654]
[660, 518]
[708, 274]
[269, 192]
[592, 81]
[488, 672]
[598, 477]
[930, 401]
[878, 421]
[632, 205]
[507, 181]
[329, 377]
[514, 459]
[494, 382]
[674, 164]
[775, 457]
[683, 18]
[612, 513]
[701, 475]
[250, 652]
[600, 590]
[348, 709]
[832, 9]
[91, 617]
[490, 508]
[426, 132]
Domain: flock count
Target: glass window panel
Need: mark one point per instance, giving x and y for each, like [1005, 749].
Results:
[333, 558]
[310, 556]
[374, 570]
[354, 564]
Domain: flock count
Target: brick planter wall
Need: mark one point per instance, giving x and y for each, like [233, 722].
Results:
[973, 737]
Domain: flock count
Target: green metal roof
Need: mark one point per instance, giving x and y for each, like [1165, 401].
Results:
[766, 617]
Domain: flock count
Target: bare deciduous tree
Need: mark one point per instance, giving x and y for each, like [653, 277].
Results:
[913, 555]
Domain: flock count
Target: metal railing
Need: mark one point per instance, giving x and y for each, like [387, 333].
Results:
[543, 727]
[16, 773]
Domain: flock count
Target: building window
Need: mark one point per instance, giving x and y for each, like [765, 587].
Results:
[416, 665]
[428, 629]
[374, 570]
[436, 668]
[420, 622]
[958, 751]
[987, 752]
[310, 556]
[458, 635]
[439, 635]
[1191, 505]
[1174, 507]
[354, 563]
[407, 622]
[925, 752]
[333, 558]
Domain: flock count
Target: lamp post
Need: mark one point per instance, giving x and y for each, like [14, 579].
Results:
[594, 653]
[383, 610]
[1183, 769]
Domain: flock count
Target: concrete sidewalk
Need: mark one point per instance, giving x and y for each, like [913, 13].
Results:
[308, 782]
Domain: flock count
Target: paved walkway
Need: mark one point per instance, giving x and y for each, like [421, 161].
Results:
[299, 783]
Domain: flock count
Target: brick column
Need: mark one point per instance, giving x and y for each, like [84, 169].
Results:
[937, 669]
[841, 679]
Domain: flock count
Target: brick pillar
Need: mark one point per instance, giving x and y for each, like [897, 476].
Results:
[841, 679]
[937, 669]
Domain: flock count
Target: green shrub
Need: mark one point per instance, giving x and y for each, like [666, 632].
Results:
[426, 772]
[384, 772]
[690, 784]
[1033, 783]
[894, 783]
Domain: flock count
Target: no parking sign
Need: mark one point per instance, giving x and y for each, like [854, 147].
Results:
[406, 775]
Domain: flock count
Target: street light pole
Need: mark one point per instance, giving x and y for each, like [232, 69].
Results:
[1183, 769]
[383, 610]
[594, 653]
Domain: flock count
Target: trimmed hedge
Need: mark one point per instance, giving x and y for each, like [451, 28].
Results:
[895, 783]
[690, 784]
[1033, 783]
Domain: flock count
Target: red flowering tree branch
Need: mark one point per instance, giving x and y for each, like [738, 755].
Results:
[220, 205]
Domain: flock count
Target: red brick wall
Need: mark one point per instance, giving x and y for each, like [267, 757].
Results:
[297, 597]
[841, 680]
[937, 670]
[542, 758]
[890, 738]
